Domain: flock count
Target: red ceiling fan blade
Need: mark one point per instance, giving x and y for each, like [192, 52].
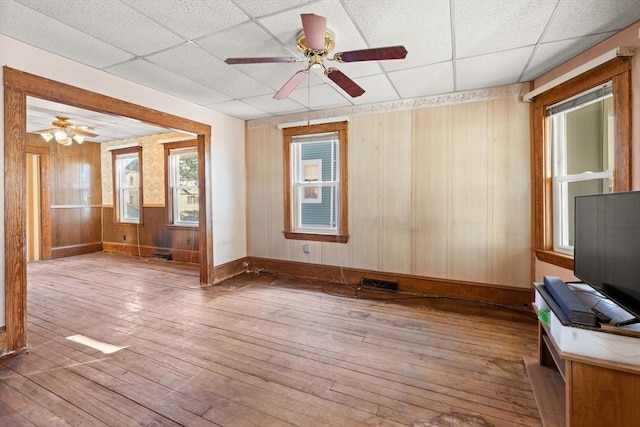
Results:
[374, 54]
[315, 27]
[290, 85]
[345, 83]
[262, 60]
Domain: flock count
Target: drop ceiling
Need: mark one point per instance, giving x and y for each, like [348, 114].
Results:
[178, 47]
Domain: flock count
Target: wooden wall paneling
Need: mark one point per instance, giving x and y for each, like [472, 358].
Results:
[430, 187]
[510, 239]
[396, 177]
[365, 161]
[273, 151]
[469, 172]
[259, 157]
[69, 223]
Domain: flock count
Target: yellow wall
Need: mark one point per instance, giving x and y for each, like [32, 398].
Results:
[438, 187]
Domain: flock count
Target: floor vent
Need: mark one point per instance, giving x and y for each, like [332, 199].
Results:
[162, 255]
[379, 284]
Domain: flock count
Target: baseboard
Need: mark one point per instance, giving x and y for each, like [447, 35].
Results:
[230, 269]
[148, 251]
[469, 291]
[71, 250]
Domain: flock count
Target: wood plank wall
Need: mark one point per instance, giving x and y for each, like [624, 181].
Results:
[75, 193]
[440, 192]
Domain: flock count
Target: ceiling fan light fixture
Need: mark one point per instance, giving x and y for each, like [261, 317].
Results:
[65, 142]
[60, 135]
[78, 138]
[47, 136]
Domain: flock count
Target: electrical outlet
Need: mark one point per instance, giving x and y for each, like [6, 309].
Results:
[188, 241]
[306, 248]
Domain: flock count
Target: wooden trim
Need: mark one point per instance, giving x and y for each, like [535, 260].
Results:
[342, 236]
[15, 211]
[622, 111]
[45, 199]
[71, 250]
[148, 251]
[618, 71]
[469, 291]
[231, 269]
[330, 238]
[17, 86]
[556, 258]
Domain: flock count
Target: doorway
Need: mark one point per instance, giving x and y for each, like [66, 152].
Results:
[34, 227]
[17, 86]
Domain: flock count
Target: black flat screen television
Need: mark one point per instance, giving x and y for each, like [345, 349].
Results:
[607, 246]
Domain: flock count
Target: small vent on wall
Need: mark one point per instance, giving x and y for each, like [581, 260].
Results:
[379, 284]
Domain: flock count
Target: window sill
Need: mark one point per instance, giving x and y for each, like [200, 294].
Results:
[331, 238]
[555, 258]
[181, 227]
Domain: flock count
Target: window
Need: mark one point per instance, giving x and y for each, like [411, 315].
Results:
[183, 202]
[127, 185]
[315, 181]
[581, 144]
[582, 141]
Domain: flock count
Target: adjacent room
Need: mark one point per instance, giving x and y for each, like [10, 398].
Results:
[329, 212]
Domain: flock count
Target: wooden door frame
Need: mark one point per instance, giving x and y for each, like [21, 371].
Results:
[45, 198]
[17, 86]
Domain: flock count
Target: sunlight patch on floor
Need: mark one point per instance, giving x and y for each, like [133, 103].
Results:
[95, 344]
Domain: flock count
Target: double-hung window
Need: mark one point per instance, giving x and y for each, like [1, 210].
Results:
[315, 177]
[183, 200]
[127, 180]
[582, 141]
[581, 145]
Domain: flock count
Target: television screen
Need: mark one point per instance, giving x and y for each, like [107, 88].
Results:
[607, 245]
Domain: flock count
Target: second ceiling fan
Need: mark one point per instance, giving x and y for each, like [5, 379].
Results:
[316, 41]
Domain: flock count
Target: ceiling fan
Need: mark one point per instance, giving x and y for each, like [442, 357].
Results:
[65, 132]
[316, 41]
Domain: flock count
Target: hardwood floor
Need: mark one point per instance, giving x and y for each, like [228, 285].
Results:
[258, 350]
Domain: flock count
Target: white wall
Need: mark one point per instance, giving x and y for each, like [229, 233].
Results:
[227, 139]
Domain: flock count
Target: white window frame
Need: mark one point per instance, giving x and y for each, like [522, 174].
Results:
[123, 187]
[300, 183]
[561, 180]
[174, 187]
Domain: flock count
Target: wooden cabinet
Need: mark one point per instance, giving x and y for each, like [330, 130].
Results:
[581, 391]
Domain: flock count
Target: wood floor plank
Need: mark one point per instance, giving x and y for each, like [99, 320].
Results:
[257, 350]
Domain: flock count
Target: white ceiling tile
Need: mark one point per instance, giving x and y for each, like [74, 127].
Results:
[490, 70]
[548, 56]
[34, 28]
[110, 21]
[322, 96]
[258, 8]
[191, 19]
[575, 18]
[422, 26]
[240, 109]
[424, 81]
[149, 74]
[197, 65]
[490, 26]
[274, 106]
[377, 89]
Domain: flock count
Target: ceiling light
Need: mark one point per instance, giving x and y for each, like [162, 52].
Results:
[78, 138]
[60, 135]
[47, 136]
[66, 141]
